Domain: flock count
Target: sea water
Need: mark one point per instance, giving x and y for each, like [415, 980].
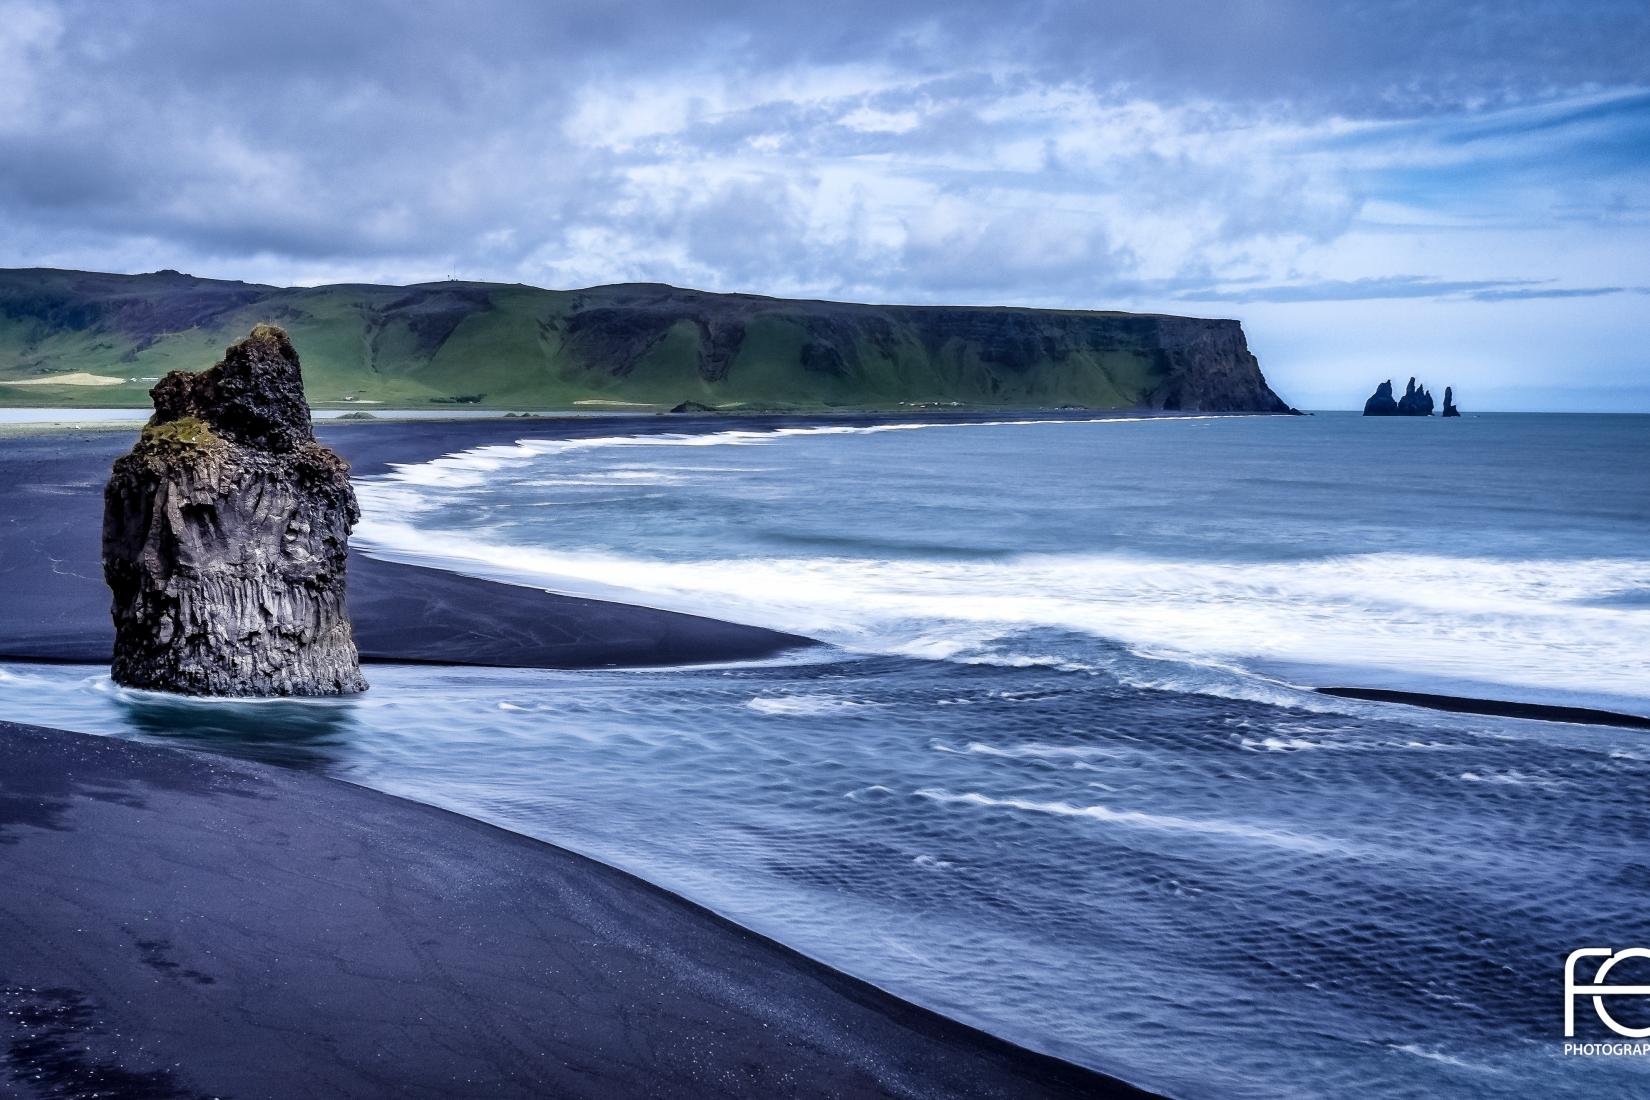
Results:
[1060, 773]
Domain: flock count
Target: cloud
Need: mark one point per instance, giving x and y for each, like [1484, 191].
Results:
[912, 151]
[1525, 295]
[1290, 153]
[1400, 286]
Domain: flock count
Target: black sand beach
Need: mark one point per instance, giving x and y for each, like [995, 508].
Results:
[1460, 704]
[182, 925]
[176, 924]
[57, 606]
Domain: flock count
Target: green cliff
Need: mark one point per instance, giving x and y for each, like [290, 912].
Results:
[78, 338]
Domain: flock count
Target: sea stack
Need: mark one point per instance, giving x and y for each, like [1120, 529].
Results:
[225, 534]
[1381, 402]
[1449, 403]
[1416, 401]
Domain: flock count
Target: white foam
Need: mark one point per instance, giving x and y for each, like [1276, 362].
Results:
[1194, 625]
[1446, 1059]
[1282, 744]
[1180, 624]
[1506, 779]
[1341, 743]
[804, 705]
[473, 468]
[1031, 750]
[1138, 819]
[104, 685]
[874, 789]
[605, 478]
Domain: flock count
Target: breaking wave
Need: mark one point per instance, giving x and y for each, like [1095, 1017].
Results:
[1542, 629]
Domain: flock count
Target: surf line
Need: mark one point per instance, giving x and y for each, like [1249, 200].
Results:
[1501, 708]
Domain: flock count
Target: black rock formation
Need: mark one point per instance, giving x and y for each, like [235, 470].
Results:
[1380, 402]
[1416, 401]
[693, 407]
[1208, 367]
[225, 532]
[1449, 403]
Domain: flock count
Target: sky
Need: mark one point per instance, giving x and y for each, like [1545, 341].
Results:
[1457, 191]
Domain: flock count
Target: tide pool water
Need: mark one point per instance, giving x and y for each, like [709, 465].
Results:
[1060, 775]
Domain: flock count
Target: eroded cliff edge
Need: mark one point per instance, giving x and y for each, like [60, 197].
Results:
[225, 537]
[492, 345]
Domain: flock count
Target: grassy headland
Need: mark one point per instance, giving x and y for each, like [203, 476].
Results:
[72, 338]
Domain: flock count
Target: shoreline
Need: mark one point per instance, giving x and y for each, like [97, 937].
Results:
[51, 568]
[51, 557]
[50, 563]
[206, 925]
[1499, 708]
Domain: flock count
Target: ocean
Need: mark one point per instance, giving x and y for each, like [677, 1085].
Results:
[1060, 772]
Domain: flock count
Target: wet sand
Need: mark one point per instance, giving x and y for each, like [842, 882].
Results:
[1502, 708]
[175, 924]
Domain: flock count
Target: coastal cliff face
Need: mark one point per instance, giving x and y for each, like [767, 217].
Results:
[975, 355]
[493, 345]
[225, 534]
[1208, 367]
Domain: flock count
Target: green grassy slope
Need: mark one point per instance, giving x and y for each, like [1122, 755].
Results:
[507, 346]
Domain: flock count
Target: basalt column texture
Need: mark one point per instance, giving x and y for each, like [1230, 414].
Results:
[225, 533]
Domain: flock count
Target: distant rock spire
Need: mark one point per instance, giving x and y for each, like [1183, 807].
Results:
[1416, 401]
[1449, 403]
[1380, 402]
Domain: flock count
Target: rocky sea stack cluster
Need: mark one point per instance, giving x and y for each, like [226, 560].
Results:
[225, 535]
[1416, 401]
